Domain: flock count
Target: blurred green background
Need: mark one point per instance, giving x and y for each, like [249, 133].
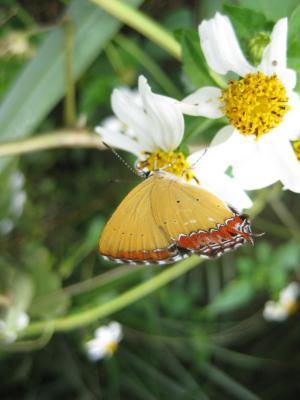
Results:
[202, 335]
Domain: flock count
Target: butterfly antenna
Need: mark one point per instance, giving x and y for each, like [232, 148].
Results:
[140, 174]
[196, 162]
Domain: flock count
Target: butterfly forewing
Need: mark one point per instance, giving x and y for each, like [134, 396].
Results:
[182, 208]
[132, 233]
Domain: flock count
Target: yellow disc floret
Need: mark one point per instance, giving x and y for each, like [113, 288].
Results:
[255, 104]
[173, 162]
[291, 307]
[111, 347]
[296, 146]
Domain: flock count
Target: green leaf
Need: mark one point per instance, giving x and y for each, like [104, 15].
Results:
[273, 10]
[41, 84]
[252, 29]
[194, 65]
[247, 23]
[294, 44]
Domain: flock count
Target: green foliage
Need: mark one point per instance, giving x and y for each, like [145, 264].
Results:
[247, 23]
[32, 91]
[199, 336]
[294, 43]
[194, 66]
[273, 10]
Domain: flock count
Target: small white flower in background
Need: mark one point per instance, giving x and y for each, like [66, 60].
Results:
[15, 44]
[18, 199]
[16, 204]
[10, 327]
[287, 304]
[105, 342]
[154, 129]
[261, 106]
[6, 226]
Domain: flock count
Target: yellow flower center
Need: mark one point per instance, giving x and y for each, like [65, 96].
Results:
[296, 146]
[111, 348]
[291, 307]
[173, 162]
[255, 104]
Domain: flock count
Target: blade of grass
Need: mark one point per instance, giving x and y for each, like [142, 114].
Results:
[142, 24]
[149, 64]
[232, 387]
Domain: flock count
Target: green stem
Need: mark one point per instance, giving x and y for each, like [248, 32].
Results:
[147, 62]
[52, 140]
[117, 63]
[70, 108]
[142, 24]
[124, 72]
[103, 310]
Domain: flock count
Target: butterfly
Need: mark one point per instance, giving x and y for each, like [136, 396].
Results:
[165, 219]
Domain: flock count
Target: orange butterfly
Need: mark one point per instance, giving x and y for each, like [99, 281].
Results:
[165, 219]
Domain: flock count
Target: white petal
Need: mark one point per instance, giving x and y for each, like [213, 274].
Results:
[291, 121]
[204, 102]
[228, 147]
[288, 77]
[275, 53]
[103, 334]
[120, 141]
[227, 189]
[290, 293]
[113, 124]
[216, 181]
[284, 159]
[256, 170]
[164, 119]
[133, 116]
[116, 331]
[274, 312]
[221, 48]
[95, 351]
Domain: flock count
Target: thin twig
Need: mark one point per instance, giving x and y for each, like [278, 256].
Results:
[52, 140]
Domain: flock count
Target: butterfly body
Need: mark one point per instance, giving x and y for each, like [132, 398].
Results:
[165, 219]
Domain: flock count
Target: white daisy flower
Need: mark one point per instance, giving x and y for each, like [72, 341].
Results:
[287, 304]
[10, 326]
[113, 123]
[106, 341]
[260, 104]
[156, 127]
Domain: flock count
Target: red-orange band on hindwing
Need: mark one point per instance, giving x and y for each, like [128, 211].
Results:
[232, 233]
[159, 256]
